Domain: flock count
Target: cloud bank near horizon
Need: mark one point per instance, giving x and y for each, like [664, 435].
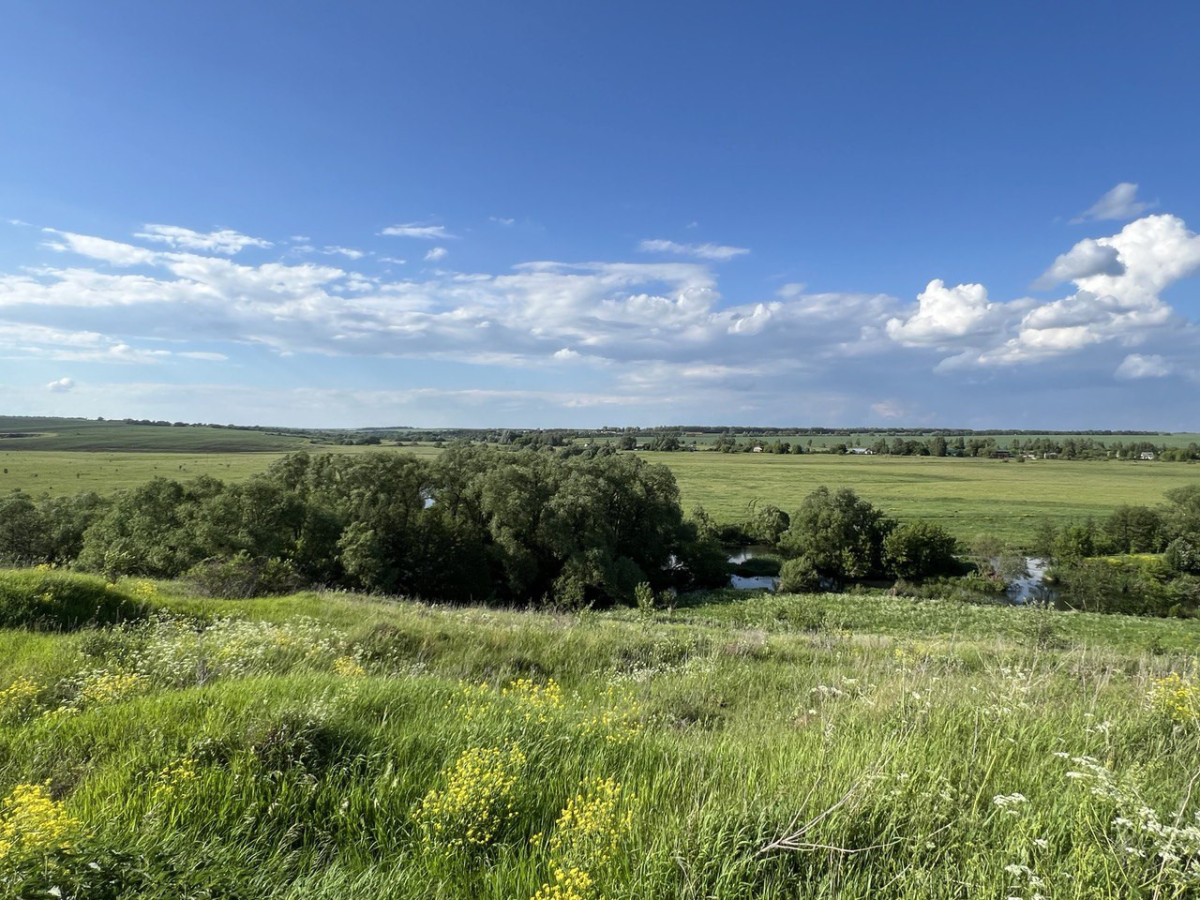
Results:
[638, 338]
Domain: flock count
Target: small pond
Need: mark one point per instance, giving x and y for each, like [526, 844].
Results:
[753, 582]
[1031, 586]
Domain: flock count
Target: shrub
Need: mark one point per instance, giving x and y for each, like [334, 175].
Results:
[919, 550]
[243, 576]
[839, 532]
[56, 601]
[1182, 556]
[799, 576]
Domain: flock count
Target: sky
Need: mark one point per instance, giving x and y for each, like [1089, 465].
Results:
[565, 215]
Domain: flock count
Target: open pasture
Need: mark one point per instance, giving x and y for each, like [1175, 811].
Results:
[69, 472]
[37, 433]
[966, 496]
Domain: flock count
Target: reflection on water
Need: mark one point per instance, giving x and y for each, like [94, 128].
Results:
[1031, 587]
[754, 582]
[748, 553]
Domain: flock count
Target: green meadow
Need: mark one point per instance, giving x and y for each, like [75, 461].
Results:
[1005, 498]
[339, 746]
[967, 496]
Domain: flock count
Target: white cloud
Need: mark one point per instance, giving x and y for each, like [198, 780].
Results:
[1119, 282]
[500, 220]
[1136, 366]
[888, 409]
[1119, 203]
[435, 254]
[61, 386]
[413, 230]
[225, 241]
[944, 314]
[715, 252]
[114, 252]
[393, 260]
[1085, 259]
[348, 252]
[652, 334]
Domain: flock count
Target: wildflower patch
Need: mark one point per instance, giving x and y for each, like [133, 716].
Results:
[478, 799]
[33, 823]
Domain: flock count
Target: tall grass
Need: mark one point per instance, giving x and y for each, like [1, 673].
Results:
[311, 746]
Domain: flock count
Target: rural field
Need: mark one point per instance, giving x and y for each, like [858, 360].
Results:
[336, 746]
[966, 496]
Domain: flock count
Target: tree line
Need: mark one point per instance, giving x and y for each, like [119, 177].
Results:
[475, 525]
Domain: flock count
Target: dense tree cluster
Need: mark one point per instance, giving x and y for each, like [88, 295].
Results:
[479, 525]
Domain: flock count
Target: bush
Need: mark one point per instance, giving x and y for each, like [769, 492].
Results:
[56, 601]
[243, 576]
[920, 550]
[799, 576]
[1182, 556]
[841, 534]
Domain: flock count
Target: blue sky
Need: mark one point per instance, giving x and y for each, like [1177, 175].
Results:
[548, 214]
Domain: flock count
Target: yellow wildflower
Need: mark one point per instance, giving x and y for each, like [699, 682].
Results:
[479, 797]
[591, 826]
[348, 667]
[101, 688]
[19, 700]
[569, 884]
[1176, 697]
[33, 822]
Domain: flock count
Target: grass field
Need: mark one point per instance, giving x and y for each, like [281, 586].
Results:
[95, 436]
[338, 747]
[967, 496]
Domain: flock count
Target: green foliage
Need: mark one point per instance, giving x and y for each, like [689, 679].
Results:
[669, 759]
[839, 533]
[242, 576]
[1122, 585]
[920, 550]
[799, 576]
[1182, 512]
[766, 523]
[57, 601]
[1183, 556]
[1135, 529]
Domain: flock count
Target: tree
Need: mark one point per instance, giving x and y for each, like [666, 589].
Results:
[1135, 529]
[148, 530]
[920, 550]
[840, 534]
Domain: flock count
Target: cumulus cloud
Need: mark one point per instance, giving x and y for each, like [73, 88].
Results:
[1085, 259]
[1119, 282]
[944, 314]
[61, 386]
[225, 241]
[656, 329]
[715, 252]
[435, 254]
[414, 230]
[1119, 203]
[1136, 366]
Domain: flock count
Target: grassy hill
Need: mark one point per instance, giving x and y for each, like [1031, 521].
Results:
[38, 433]
[337, 746]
